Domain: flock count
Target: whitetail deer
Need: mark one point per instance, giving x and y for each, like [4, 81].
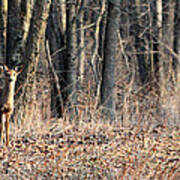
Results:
[8, 79]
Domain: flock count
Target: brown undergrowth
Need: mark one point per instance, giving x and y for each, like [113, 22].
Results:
[63, 150]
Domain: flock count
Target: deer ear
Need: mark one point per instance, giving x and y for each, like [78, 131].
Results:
[3, 67]
[19, 68]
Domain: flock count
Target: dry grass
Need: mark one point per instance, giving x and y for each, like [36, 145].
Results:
[62, 150]
[89, 148]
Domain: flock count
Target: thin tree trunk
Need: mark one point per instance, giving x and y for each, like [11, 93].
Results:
[108, 82]
[3, 25]
[81, 39]
[159, 24]
[96, 47]
[61, 5]
[56, 42]
[140, 44]
[168, 40]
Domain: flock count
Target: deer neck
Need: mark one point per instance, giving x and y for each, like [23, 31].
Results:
[10, 92]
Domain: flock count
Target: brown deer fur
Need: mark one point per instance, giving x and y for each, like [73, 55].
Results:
[8, 79]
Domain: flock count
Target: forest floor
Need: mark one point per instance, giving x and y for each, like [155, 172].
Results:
[92, 151]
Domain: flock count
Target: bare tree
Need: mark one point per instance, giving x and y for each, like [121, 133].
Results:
[108, 82]
[3, 25]
[177, 39]
[81, 39]
[31, 54]
[56, 39]
[71, 54]
[19, 14]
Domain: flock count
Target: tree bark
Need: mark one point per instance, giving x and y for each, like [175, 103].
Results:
[95, 60]
[159, 24]
[31, 56]
[140, 43]
[177, 41]
[168, 41]
[3, 25]
[108, 82]
[56, 41]
[81, 40]
[71, 54]
[14, 26]
[36, 32]
[19, 14]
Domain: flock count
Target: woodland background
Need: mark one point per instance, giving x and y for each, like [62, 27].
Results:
[91, 69]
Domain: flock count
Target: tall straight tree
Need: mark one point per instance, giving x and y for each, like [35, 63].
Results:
[31, 54]
[111, 41]
[14, 26]
[55, 36]
[3, 25]
[168, 41]
[19, 15]
[81, 39]
[158, 61]
[177, 39]
[98, 37]
[71, 52]
[140, 40]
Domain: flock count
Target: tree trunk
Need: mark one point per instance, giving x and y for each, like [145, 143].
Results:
[140, 43]
[56, 41]
[81, 40]
[95, 60]
[177, 41]
[36, 32]
[19, 14]
[35, 36]
[111, 37]
[3, 25]
[71, 53]
[159, 24]
[14, 26]
[168, 41]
